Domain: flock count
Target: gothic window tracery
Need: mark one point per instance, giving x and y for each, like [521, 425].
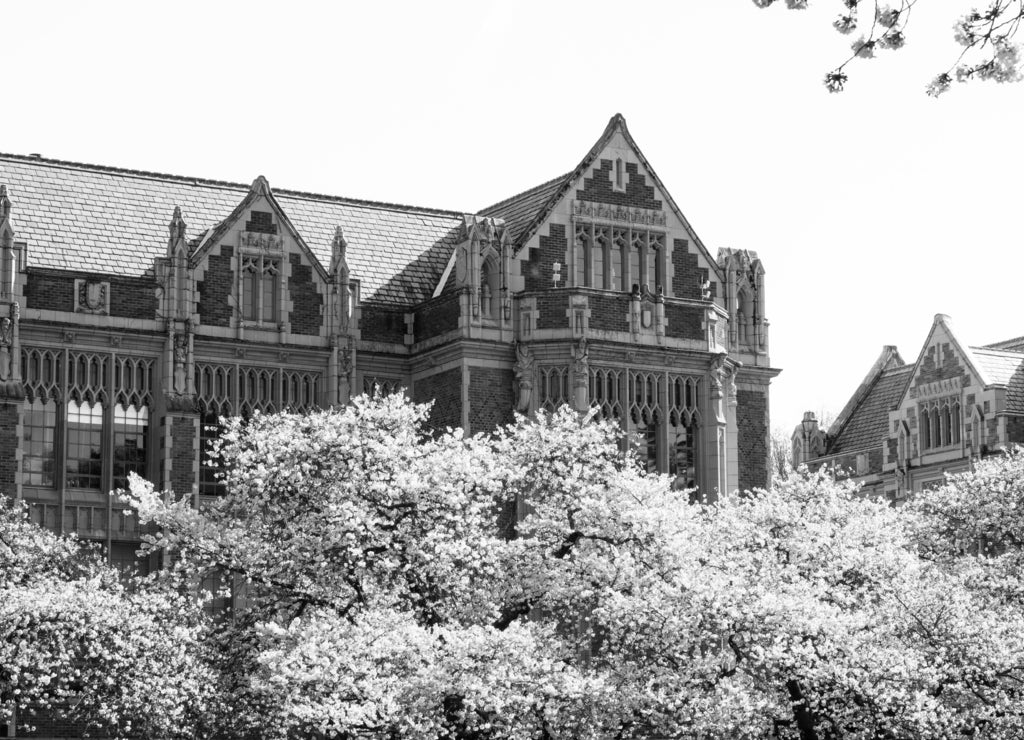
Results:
[260, 288]
[939, 423]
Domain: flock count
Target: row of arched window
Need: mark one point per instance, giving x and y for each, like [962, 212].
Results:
[940, 423]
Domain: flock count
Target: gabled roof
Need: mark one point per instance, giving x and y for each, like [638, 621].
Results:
[1013, 345]
[112, 221]
[531, 208]
[1004, 368]
[864, 421]
[520, 211]
[868, 423]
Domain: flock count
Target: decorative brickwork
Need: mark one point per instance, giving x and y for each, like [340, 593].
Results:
[553, 248]
[445, 390]
[182, 454]
[129, 297]
[133, 298]
[598, 188]
[752, 430]
[551, 308]
[382, 324]
[216, 288]
[687, 278]
[490, 399]
[684, 322]
[9, 442]
[261, 222]
[50, 292]
[305, 317]
[929, 370]
[609, 312]
[436, 316]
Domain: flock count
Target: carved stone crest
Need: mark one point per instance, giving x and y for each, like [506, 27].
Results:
[92, 297]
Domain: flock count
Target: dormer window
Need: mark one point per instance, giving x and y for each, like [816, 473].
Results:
[260, 286]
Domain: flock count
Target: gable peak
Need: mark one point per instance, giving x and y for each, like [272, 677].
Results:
[260, 186]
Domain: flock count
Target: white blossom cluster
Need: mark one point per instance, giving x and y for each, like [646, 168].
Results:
[376, 597]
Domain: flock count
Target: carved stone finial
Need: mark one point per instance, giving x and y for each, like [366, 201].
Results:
[260, 186]
[5, 204]
[339, 244]
[177, 225]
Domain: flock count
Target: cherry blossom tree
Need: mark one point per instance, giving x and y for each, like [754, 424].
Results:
[377, 597]
[987, 37]
[79, 642]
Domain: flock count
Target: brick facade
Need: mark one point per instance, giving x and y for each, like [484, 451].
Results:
[490, 398]
[551, 308]
[598, 188]
[383, 323]
[49, 292]
[9, 413]
[609, 312]
[445, 390]
[306, 316]
[216, 288]
[436, 317]
[950, 367]
[183, 455]
[539, 271]
[752, 429]
[684, 322]
[687, 275]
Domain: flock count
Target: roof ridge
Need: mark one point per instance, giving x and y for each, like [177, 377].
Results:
[1000, 345]
[151, 175]
[528, 191]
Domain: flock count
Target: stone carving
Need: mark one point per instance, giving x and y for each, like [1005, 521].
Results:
[641, 216]
[715, 373]
[180, 362]
[93, 296]
[10, 369]
[6, 347]
[581, 375]
[259, 242]
[523, 370]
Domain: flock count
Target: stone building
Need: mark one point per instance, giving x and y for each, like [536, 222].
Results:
[138, 308]
[909, 424]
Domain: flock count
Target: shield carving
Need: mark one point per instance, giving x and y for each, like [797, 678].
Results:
[646, 317]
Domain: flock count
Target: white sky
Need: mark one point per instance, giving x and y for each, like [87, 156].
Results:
[871, 210]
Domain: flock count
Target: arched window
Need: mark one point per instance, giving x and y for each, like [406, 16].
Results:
[956, 423]
[933, 419]
[926, 435]
[944, 420]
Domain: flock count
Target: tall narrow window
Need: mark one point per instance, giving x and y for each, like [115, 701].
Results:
[598, 281]
[37, 452]
[85, 439]
[947, 437]
[956, 423]
[926, 432]
[620, 176]
[260, 287]
[933, 422]
[130, 427]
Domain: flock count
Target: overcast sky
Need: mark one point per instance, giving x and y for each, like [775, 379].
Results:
[872, 210]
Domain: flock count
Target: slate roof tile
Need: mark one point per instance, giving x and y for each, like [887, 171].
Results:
[520, 210]
[1004, 367]
[111, 221]
[869, 422]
